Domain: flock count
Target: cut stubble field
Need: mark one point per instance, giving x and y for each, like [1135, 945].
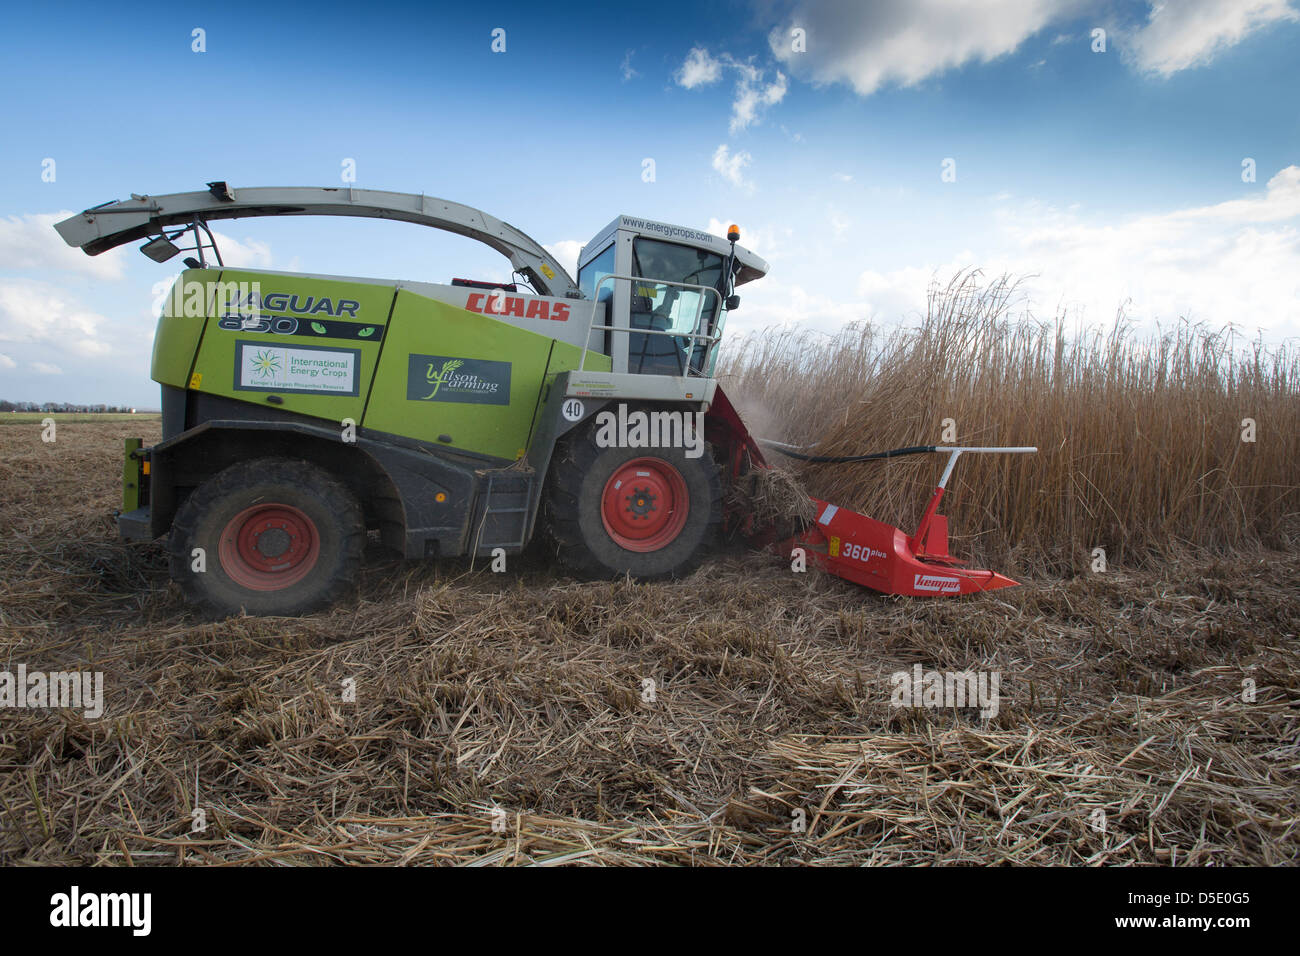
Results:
[506, 718]
[145, 419]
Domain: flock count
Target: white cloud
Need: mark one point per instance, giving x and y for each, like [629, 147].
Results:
[700, 69]
[45, 368]
[766, 241]
[840, 223]
[754, 93]
[772, 303]
[244, 255]
[566, 254]
[7, 362]
[39, 313]
[731, 166]
[30, 242]
[899, 294]
[1233, 262]
[625, 68]
[1236, 261]
[1190, 33]
[903, 42]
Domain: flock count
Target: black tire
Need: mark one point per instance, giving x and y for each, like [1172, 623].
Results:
[242, 515]
[575, 526]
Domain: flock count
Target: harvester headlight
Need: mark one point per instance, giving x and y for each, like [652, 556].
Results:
[160, 249]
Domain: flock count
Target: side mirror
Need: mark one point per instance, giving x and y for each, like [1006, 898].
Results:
[733, 303]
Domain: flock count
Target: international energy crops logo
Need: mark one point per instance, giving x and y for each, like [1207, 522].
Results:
[447, 378]
[320, 370]
[264, 364]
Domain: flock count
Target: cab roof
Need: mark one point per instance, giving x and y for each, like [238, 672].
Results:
[750, 265]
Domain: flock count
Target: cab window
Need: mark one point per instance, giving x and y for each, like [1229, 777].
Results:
[669, 312]
[594, 271]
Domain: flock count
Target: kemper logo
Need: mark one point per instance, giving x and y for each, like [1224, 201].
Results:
[934, 582]
[446, 378]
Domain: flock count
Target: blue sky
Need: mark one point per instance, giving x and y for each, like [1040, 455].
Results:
[1112, 177]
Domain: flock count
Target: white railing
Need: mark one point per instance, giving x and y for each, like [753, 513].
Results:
[694, 335]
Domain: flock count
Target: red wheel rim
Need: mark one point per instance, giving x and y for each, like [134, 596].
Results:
[269, 547]
[645, 504]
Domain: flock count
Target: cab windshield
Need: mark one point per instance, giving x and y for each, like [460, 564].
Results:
[669, 308]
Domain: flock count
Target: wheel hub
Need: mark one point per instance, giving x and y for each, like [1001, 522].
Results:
[273, 542]
[269, 547]
[645, 504]
[641, 503]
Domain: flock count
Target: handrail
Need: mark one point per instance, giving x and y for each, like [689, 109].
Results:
[693, 335]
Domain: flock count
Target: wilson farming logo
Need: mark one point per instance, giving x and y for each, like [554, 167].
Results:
[447, 378]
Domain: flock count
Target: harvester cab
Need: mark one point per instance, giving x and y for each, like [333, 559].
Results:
[300, 412]
[669, 288]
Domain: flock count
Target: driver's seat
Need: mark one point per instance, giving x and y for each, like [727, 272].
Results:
[654, 354]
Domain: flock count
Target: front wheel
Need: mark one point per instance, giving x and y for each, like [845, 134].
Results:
[268, 536]
[648, 512]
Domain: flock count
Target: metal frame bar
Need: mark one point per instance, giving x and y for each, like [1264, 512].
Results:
[954, 452]
[113, 224]
[695, 325]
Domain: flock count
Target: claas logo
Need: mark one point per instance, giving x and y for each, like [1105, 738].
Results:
[498, 303]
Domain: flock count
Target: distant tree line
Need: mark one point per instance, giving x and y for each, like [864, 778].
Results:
[7, 406]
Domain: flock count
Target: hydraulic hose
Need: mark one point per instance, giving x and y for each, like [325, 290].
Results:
[789, 451]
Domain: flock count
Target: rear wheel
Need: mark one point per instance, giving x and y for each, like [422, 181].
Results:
[648, 512]
[276, 536]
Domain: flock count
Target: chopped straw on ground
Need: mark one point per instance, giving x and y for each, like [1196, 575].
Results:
[507, 718]
[773, 497]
